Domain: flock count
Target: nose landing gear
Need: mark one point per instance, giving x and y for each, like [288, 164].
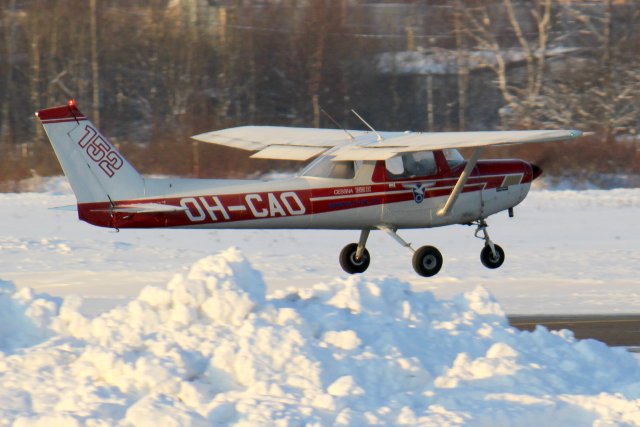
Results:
[492, 255]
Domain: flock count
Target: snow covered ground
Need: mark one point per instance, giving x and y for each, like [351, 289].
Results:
[97, 329]
[210, 348]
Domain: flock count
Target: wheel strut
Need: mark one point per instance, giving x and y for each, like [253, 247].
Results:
[427, 260]
[364, 235]
[482, 227]
[392, 232]
[492, 255]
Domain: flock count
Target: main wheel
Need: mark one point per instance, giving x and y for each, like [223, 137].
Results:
[489, 260]
[348, 260]
[427, 261]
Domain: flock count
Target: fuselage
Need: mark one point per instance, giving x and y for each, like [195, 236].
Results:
[372, 198]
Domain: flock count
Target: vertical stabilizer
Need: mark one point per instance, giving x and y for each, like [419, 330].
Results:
[96, 171]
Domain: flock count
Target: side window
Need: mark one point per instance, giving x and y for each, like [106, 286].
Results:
[324, 167]
[411, 165]
[453, 157]
[343, 170]
[394, 166]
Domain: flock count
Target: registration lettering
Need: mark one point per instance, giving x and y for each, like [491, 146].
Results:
[193, 210]
[252, 206]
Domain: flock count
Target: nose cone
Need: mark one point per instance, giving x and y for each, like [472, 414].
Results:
[536, 170]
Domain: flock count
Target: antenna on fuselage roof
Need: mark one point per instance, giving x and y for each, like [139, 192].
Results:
[368, 125]
[337, 124]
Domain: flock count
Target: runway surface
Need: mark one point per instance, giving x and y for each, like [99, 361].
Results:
[613, 330]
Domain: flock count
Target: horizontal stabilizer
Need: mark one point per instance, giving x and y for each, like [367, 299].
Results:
[143, 208]
[67, 208]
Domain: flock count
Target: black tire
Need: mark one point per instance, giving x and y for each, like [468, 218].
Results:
[348, 260]
[427, 261]
[490, 261]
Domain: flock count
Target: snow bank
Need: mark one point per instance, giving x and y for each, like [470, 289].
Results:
[211, 349]
[25, 317]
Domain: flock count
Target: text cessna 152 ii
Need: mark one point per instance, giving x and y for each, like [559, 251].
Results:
[360, 180]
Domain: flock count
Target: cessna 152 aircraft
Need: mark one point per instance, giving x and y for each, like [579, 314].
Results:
[360, 180]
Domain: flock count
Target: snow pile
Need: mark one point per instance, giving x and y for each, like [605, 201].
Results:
[25, 317]
[211, 349]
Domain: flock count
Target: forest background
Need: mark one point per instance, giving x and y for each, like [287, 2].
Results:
[151, 73]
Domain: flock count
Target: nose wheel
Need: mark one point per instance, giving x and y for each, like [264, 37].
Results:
[490, 259]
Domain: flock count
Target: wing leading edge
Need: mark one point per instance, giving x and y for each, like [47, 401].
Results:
[290, 143]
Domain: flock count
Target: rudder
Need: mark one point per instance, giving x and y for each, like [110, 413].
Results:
[95, 169]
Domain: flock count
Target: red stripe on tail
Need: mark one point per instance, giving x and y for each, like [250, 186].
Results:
[59, 114]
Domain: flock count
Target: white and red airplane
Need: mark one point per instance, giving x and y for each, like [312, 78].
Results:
[360, 180]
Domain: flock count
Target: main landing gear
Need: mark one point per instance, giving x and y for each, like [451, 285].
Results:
[354, 258]
[427, 260]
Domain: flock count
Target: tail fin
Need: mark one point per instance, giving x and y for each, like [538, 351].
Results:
[96, 171]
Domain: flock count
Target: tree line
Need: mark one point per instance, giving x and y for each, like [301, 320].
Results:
[151, 73]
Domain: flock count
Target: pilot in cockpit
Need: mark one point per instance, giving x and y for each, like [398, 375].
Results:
[412, 165]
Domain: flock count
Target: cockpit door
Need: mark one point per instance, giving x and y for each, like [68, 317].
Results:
[409, 178]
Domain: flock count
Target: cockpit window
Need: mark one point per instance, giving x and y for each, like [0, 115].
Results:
[411, 165]
[325, 168]
[453, 157]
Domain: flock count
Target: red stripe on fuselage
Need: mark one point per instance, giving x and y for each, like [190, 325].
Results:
[201, 210]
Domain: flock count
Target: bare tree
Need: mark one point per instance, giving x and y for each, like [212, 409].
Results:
[485, 29]
[9, 24]
[95, 67]
[613, 100]
[316, 29]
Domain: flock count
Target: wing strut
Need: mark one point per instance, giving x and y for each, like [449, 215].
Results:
[471, 163]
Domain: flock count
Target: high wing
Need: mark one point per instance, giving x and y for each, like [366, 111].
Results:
[290, 143]
[413, 142]
[280, 142]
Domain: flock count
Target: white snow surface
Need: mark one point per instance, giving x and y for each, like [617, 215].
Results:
[212, 348]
